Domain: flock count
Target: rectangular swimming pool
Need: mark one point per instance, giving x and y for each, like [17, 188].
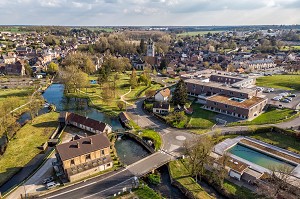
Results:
[257, 157]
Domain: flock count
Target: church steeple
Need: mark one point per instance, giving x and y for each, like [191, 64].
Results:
[150, 48]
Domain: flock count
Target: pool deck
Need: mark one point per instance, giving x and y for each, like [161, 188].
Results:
[228, 143]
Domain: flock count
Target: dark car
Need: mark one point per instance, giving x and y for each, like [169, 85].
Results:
[47, 180]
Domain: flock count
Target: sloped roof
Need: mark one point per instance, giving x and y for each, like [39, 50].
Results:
[165, 92]
[82, 146]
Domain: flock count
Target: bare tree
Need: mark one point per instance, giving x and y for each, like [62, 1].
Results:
[198, 155]
[280, 183]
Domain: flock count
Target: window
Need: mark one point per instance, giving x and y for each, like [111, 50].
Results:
[88, 157]
[226, 106]
[108, 165]
[231, 93]
[72, 162]
[102, 151]
[215, 103]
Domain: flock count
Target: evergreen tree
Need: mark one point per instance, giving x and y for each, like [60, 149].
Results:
[142, 46]
[180, 94]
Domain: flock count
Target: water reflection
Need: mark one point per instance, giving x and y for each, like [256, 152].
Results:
[129, 151]
[55, 95]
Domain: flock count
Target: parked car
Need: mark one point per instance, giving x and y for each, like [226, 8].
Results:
[292, 95]
[47, 180]
[271, 89]
[280, 106]
[266, 91]
[285, 101]
[276, 98]
[289, 98]
[51, 185]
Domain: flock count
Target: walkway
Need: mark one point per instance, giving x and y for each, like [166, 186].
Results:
[123, 100]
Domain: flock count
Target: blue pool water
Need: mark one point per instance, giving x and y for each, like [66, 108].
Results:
[257, 157]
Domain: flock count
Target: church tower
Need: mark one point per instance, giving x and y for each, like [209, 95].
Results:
[150, 48]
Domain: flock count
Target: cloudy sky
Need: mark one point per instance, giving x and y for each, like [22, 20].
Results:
[149, 12]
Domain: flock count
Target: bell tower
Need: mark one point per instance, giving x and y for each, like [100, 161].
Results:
[150, 48]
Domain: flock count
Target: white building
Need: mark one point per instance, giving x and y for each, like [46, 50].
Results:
[150, 48]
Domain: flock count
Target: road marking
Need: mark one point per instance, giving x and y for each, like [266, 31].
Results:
[86, 185]
[106, 189]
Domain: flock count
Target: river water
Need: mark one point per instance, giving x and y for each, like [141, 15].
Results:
[55, 95]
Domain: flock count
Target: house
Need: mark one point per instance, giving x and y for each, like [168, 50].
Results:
[162, 108]
[83, 157]
[163, 95]
[17, 68]
[85, 123]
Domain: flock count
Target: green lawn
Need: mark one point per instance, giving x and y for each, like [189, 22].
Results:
[23, 147]
[146, 193]
[283, 141]
[271, 116]
[22, 95]
[285, 82]
[153, 135]
[287, 48]
[179, 172]
[201, 118]
[239, 192]
[122, 87]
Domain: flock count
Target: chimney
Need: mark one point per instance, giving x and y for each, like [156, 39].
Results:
[78, 145]
[91, 141]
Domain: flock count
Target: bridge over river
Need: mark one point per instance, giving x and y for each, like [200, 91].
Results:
[109, 184]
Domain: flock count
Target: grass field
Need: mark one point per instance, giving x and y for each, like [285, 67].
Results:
[179, 172]
[286, 82]
[18, 96]
[280, 140]
[153, 135]
[23, 147]
[194, 33]
[271, 116]
[122, 87]
[288, 48]
[201, 118]
[239, 192]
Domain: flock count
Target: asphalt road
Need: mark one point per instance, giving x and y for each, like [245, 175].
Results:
[101, 187]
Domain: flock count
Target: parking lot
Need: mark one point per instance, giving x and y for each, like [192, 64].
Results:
[292, 105]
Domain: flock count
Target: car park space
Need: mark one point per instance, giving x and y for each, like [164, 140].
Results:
[281, 98]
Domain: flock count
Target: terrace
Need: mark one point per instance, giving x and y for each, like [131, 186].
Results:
[245, 103]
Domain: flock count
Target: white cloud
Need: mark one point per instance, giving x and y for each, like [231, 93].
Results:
[50, 3]
[151, 12]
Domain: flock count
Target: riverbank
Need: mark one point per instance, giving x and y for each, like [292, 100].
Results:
[25, 145]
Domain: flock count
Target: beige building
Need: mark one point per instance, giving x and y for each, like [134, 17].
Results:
[83, 157]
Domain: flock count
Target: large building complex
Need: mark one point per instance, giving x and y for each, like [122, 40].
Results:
[229, 95]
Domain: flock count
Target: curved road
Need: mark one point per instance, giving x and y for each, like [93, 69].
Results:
[173, 140]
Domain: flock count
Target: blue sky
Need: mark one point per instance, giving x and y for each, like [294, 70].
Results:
[149, 12]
